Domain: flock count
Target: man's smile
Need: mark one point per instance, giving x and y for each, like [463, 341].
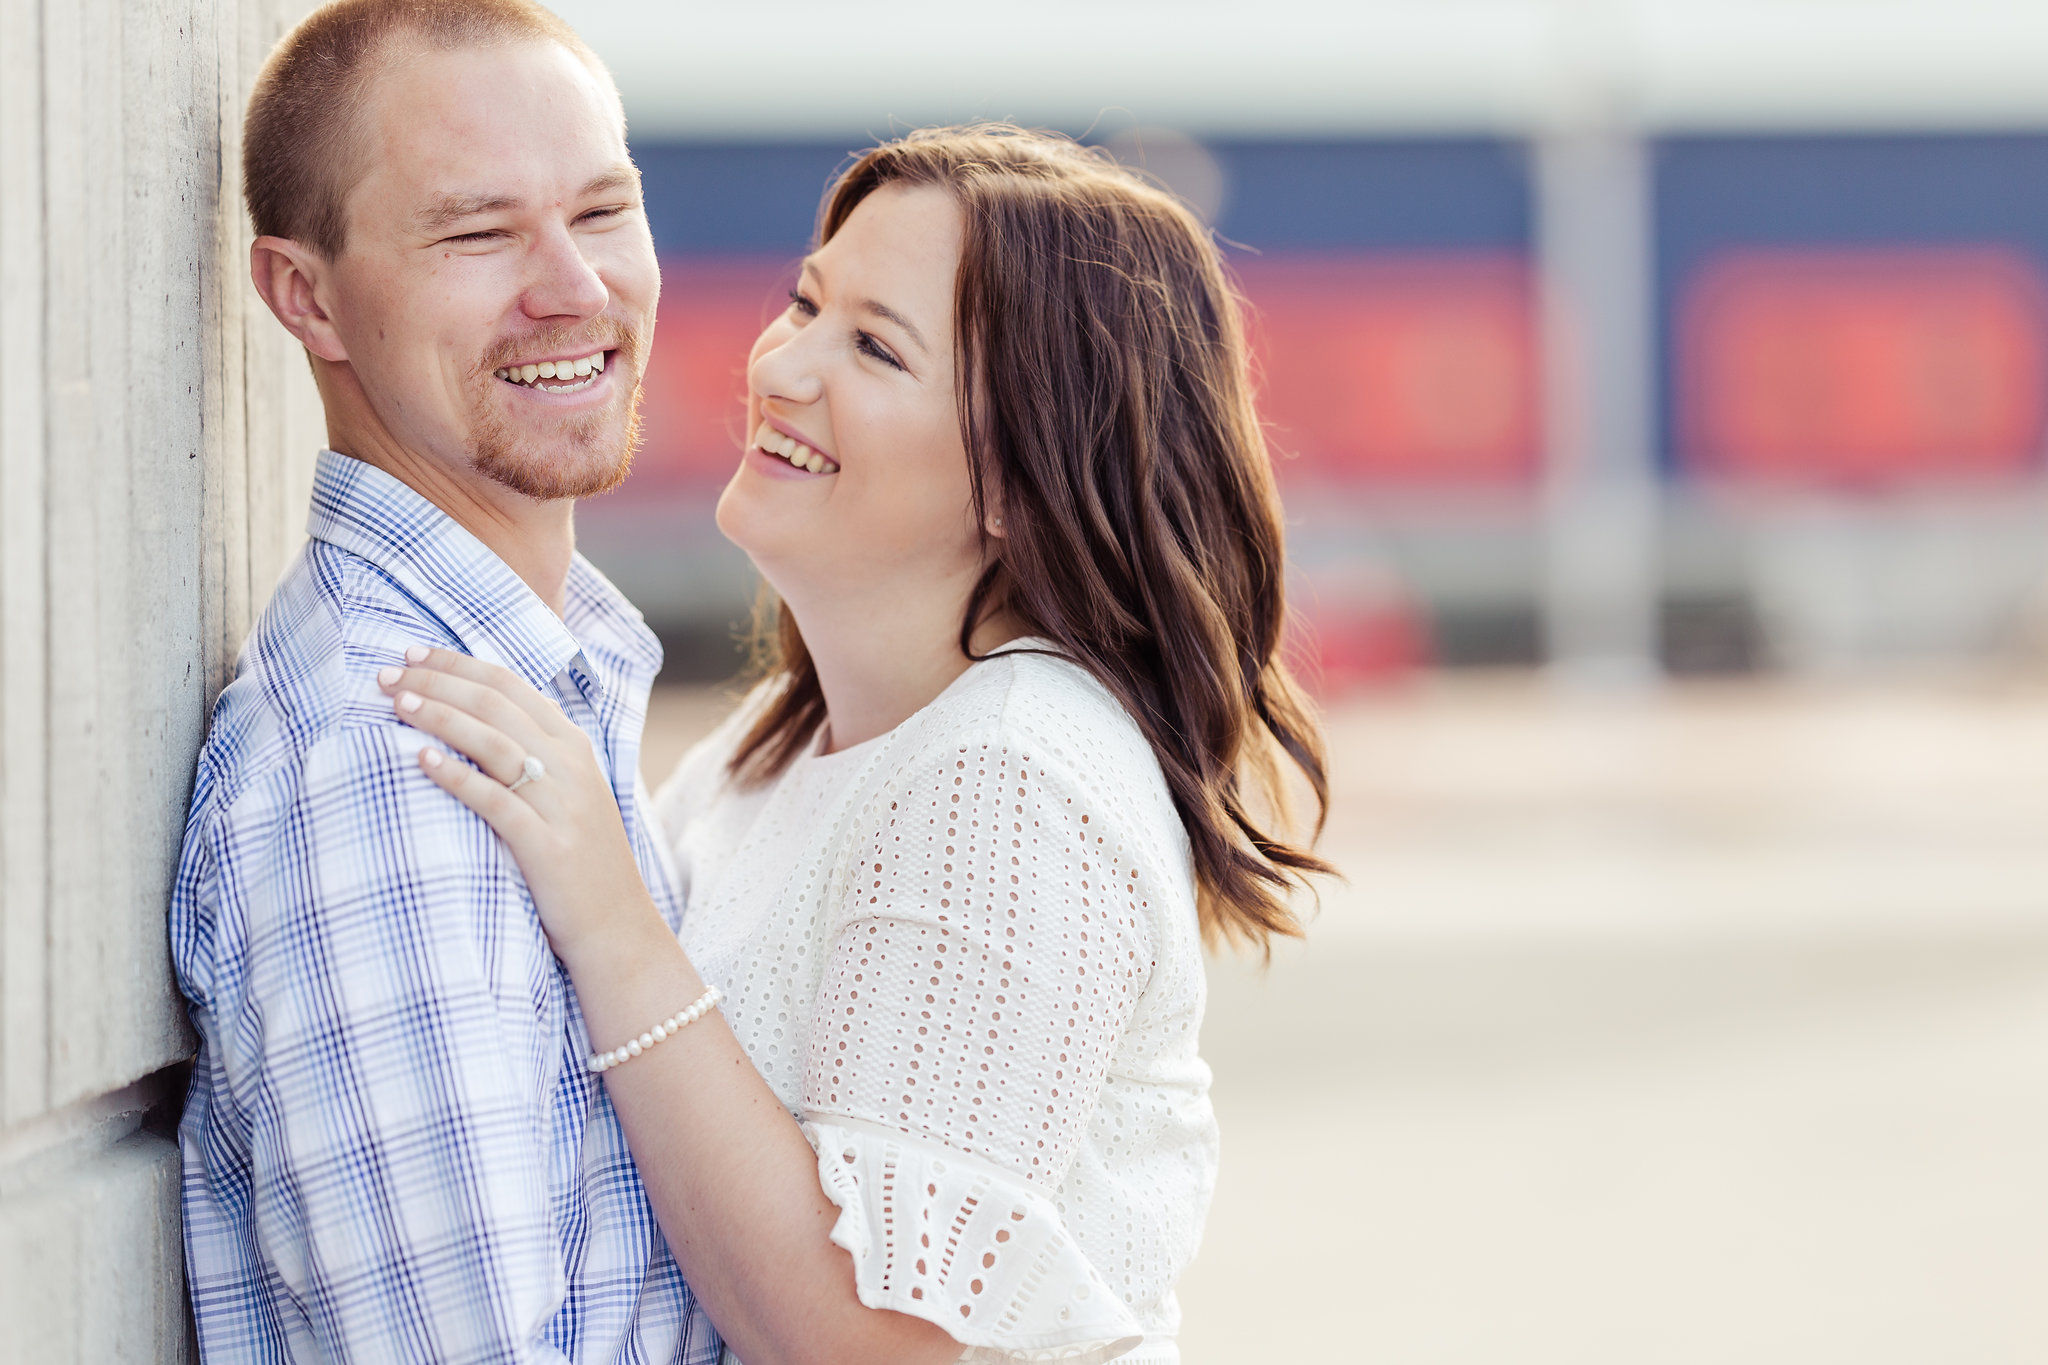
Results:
[556, 376]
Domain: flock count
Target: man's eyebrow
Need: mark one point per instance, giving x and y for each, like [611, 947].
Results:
[618, 177]
[446, 209]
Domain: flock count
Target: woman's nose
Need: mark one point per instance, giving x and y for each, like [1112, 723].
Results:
[783, 366]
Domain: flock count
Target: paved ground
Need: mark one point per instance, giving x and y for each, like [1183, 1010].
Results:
[1704, 1027]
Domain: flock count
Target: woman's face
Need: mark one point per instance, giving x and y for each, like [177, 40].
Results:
[855, 475]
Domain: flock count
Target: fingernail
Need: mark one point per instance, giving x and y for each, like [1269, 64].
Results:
[409, 702]
[388, 676]
[431, 757]
[416, 654]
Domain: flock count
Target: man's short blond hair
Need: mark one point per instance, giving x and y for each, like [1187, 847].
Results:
[301, 152]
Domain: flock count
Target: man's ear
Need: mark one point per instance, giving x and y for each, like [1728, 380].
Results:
[287, 275]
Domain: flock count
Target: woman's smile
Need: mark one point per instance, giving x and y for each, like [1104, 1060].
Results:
[792, 451]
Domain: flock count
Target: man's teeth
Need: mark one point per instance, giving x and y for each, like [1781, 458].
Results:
[795, 451]
[571, 370]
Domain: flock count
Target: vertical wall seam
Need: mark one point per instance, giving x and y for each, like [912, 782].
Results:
[45, 748]
[24, 439]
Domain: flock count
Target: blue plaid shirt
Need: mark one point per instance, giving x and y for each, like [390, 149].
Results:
[392, 1150]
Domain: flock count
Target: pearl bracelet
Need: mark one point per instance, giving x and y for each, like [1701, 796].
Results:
[667, 1028]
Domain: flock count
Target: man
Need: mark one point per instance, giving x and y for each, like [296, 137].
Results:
[392, 1149]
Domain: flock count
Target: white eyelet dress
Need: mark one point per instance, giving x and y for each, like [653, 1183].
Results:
[965, 955]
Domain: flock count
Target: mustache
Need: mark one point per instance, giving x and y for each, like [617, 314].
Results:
[599, 334]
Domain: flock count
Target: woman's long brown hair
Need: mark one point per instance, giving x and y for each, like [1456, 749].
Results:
[1107, 411]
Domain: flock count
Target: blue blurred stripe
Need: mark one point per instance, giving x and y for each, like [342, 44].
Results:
[1375, 195]
[715, 198]
[1713, 194]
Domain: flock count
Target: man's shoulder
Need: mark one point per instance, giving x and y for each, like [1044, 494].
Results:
[307, 675]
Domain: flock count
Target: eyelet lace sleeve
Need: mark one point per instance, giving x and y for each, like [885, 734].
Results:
[990, 947]
[957, 1242]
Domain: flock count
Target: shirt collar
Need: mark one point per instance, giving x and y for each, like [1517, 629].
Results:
[618, 648]
[369, 513]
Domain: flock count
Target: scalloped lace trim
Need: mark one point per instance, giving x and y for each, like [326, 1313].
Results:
[963, 1245]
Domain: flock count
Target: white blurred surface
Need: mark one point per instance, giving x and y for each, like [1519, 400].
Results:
[1706, 1026]
[790, 67]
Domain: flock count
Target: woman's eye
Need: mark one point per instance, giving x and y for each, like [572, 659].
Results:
[868, 346]
[862, 341]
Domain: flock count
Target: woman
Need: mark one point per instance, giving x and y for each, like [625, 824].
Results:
[952, 863]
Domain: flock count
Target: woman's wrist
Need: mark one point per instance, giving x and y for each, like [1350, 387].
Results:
[633, 957]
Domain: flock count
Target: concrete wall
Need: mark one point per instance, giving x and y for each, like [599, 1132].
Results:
[156, 434]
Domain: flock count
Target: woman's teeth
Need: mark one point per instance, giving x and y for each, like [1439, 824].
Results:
[793, 450]
[576, 373]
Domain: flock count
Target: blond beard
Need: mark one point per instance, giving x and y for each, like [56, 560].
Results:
[592, 455]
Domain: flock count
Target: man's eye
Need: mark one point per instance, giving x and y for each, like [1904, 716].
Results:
[611, 212]
[477, 237]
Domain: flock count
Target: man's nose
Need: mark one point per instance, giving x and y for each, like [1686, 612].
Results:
[561, 282]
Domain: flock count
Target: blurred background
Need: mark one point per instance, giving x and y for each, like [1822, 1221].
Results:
[1660, 397]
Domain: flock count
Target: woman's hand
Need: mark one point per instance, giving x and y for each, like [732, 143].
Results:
[563, 827]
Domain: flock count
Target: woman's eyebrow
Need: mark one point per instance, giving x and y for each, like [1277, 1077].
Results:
[883, 310]
[874, 306]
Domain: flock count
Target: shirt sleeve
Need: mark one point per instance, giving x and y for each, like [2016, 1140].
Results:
[992, 947]
[367, 1138]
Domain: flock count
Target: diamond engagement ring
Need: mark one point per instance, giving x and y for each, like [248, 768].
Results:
[530, 771]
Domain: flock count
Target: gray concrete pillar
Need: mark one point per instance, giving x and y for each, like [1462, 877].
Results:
[156, 434]
[1602, 504]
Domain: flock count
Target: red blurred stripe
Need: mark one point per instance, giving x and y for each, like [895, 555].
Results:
[1863, 367]
[695, 395]
[1411, 369]
[1415, 369]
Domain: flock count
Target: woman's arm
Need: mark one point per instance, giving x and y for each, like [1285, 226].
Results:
[988, 963]
[730, 1174]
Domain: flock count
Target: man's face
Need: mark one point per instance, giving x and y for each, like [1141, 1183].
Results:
[497, 233]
